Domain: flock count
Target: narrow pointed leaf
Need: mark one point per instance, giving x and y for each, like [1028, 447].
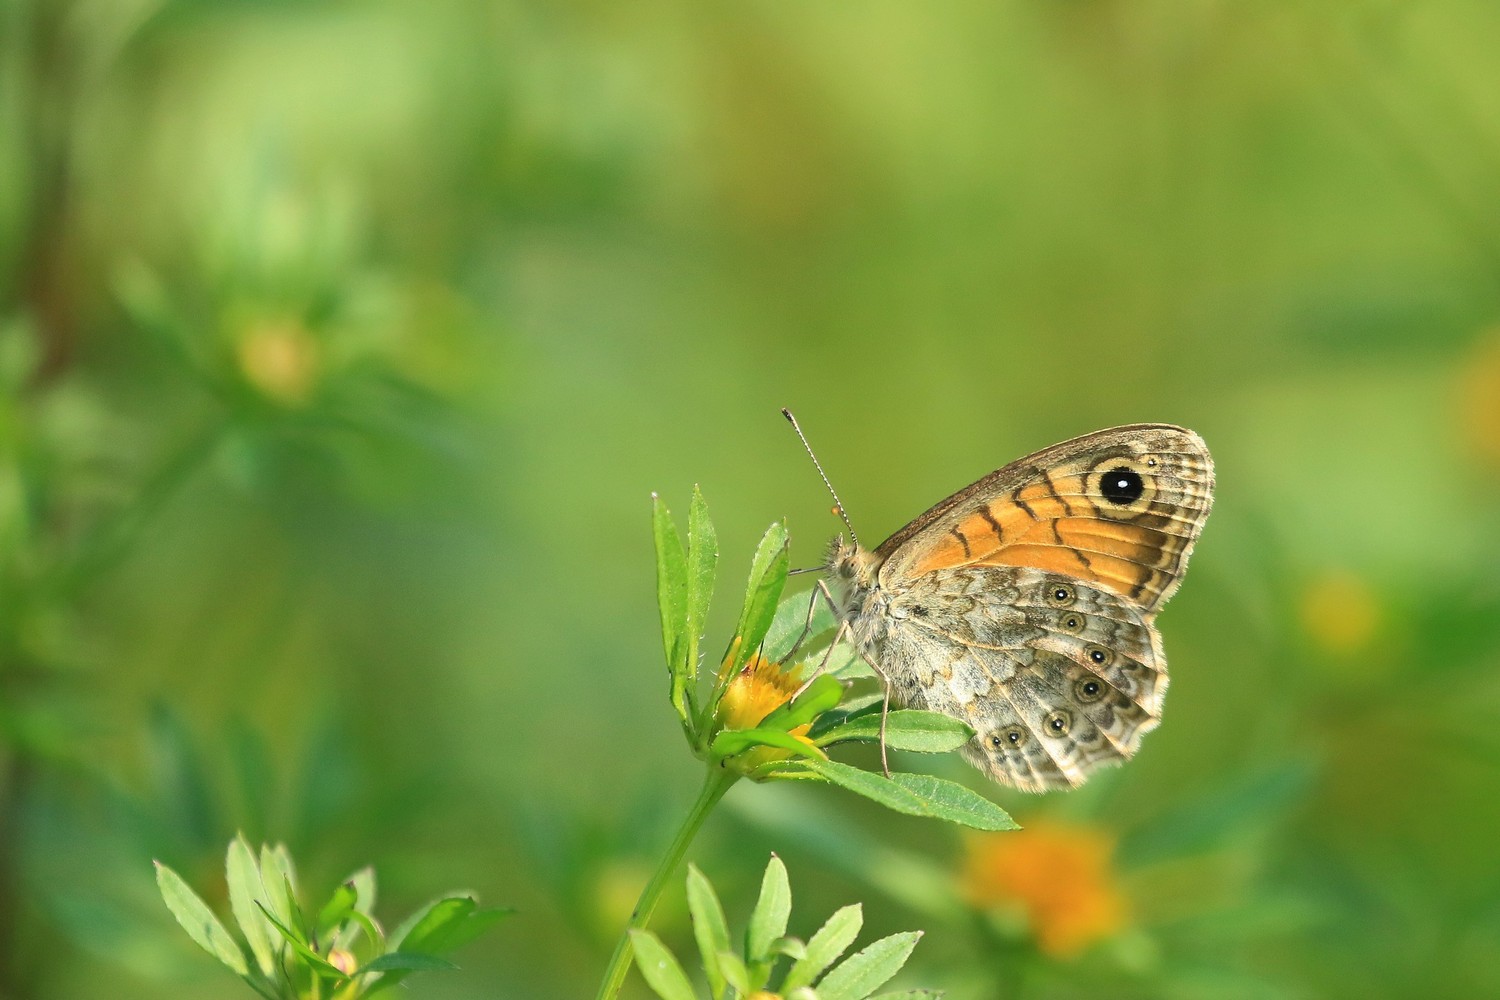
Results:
[792, 947]
[772, 910]
[710, 929]
[907, 729]
[702, 560]
[406, 961]
[767, 579]
[310, 958]
[429, 933]
[825, 947]
[338, 908]
[870, 969]
[909, 995]
[275, 876]
[198, 920]
[735, 973]
[243, 877]
[671, 597]
[659, 968]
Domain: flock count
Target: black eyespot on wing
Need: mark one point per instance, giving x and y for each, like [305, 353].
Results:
[1072, 622]
[1008, 738]
[1060, 595]
[1122, 486]
[1088, 690]
[1059, 722]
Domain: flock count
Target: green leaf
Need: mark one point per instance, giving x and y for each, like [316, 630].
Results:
[767, 579]
[337, 909]
[310, 958]
[911, 995]
[279, 883]
[198, 920]
[821, 695]
[702, 560]
[671, 597]
[790, 623]
[772, 910]
[406, 961]
[659, 968]
[364, 890]
[735, 973]
[869, 969]
[710, 929]
[243, 877]
[912, 794]
[792, 947]
[907, 729]
[734, 741]
[825, 946]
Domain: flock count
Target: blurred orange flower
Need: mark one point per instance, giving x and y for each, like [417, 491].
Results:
[281, 360]
[1479, 400]
[1340, 613]
[1060, 876]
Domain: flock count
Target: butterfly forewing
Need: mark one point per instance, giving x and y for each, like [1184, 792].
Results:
[1120, 508]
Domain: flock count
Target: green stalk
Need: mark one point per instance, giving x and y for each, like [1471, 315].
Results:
[715, 784]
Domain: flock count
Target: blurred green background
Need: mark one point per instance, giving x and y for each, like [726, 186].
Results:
[343, 343]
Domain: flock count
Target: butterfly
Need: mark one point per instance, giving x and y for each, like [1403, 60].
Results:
[1025, 604]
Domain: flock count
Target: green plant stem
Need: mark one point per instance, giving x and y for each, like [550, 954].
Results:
[715, 784]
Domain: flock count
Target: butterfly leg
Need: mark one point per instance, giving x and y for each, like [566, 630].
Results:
[885, 710]
[812, 610]
[823, 663]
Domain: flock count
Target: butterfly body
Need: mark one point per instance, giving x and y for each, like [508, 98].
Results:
[1025, 604]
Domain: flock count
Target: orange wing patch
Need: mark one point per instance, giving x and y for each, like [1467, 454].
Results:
[1047, 526]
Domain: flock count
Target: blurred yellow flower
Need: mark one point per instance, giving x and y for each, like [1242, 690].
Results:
[1479, 401]
[1061, 877]
[1340, 613]
[755, 692]
[281, 360]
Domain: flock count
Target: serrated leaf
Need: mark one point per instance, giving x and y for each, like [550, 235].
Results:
[734, 741]
[659, 968]
[768, 571]
[710, 929]
[912, 794]
[198, 920]
[242, 875]
[671, 597]
[772, 910]
[870, 969]
[825, 947]
[906, 729]
[406, 961]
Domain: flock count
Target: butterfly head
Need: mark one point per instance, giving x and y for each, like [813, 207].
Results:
[851, 570]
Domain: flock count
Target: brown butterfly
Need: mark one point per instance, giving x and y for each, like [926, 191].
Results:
[1025, 604]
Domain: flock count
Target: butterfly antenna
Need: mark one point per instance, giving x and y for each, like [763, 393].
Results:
[838, 505]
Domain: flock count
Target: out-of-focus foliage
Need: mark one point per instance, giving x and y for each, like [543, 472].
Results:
[342, 345]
